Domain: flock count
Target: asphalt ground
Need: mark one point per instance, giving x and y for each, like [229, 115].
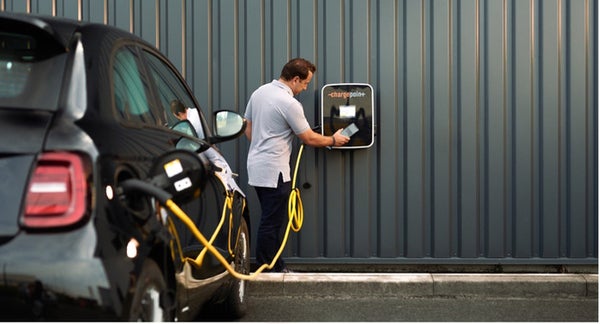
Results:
[419, 309]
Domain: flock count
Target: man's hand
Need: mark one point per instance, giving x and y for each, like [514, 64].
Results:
[339, 139]
[314, 139]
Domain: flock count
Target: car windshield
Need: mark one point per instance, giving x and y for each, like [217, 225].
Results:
[30, 74]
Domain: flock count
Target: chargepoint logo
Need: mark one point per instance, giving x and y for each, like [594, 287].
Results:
[347, 94]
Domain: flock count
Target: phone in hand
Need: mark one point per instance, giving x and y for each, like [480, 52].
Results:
[350, 130]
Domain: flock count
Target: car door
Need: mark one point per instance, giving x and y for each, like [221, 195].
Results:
[207, 212]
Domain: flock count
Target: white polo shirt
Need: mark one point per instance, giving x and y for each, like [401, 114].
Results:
[276, 117]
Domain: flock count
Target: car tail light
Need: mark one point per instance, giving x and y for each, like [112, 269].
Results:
[57, 193]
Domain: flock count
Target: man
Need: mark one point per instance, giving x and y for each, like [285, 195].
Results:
[181, 112]
[273, 117]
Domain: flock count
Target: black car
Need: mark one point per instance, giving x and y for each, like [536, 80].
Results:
[84, 113]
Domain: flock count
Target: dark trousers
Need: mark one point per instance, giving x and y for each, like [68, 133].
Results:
[273, 204]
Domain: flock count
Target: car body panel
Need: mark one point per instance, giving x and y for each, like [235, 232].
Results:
[12, 188]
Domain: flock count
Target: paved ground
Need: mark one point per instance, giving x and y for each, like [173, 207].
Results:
[419, 309]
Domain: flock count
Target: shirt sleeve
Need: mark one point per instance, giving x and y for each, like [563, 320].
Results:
[296, 118]
[194, 118]
[248, 113]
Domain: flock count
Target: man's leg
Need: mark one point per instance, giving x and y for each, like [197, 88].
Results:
[273, 203]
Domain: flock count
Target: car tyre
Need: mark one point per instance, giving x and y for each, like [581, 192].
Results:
[146, 305]
[235, 304]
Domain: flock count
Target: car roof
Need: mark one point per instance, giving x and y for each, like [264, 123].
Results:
[61, 29]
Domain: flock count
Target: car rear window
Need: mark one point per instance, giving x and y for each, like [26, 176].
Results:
[31, 72]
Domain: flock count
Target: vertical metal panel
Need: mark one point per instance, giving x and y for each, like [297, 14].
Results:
[414, 146]
[550, 139]
[487, 116]
[576, 114]
[199, 52]
[387, 49]
[440, 177]
[522, 127]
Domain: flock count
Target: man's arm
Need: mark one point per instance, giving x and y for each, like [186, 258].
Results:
[314, 139]
[248, 130]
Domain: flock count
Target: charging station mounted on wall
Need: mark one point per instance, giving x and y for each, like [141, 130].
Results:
[349, 106]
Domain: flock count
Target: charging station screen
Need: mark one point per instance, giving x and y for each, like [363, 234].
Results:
[343, 104]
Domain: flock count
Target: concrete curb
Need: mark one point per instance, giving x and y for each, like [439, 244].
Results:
[424, 285]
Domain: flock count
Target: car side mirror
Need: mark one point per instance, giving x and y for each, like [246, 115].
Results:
[227, 125]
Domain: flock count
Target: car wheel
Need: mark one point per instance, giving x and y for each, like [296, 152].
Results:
[146, 303]
[235, 303]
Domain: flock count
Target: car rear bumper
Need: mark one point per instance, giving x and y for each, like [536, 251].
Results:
[53, 277]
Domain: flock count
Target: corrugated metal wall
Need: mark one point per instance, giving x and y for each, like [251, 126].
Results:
[487, 117]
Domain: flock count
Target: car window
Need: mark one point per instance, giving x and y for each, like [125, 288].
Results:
[31, 70]
[130, 89]
[171, 88]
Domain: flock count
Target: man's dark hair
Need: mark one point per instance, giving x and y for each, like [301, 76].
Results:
[297, 67]
[177, 107]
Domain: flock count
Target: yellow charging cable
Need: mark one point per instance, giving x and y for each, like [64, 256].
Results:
[295, 214]
[227, 211]
[295, 208]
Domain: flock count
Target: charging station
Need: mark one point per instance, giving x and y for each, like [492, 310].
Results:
[350, 106]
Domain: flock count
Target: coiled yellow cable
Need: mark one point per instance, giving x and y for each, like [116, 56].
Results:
[295, 215]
